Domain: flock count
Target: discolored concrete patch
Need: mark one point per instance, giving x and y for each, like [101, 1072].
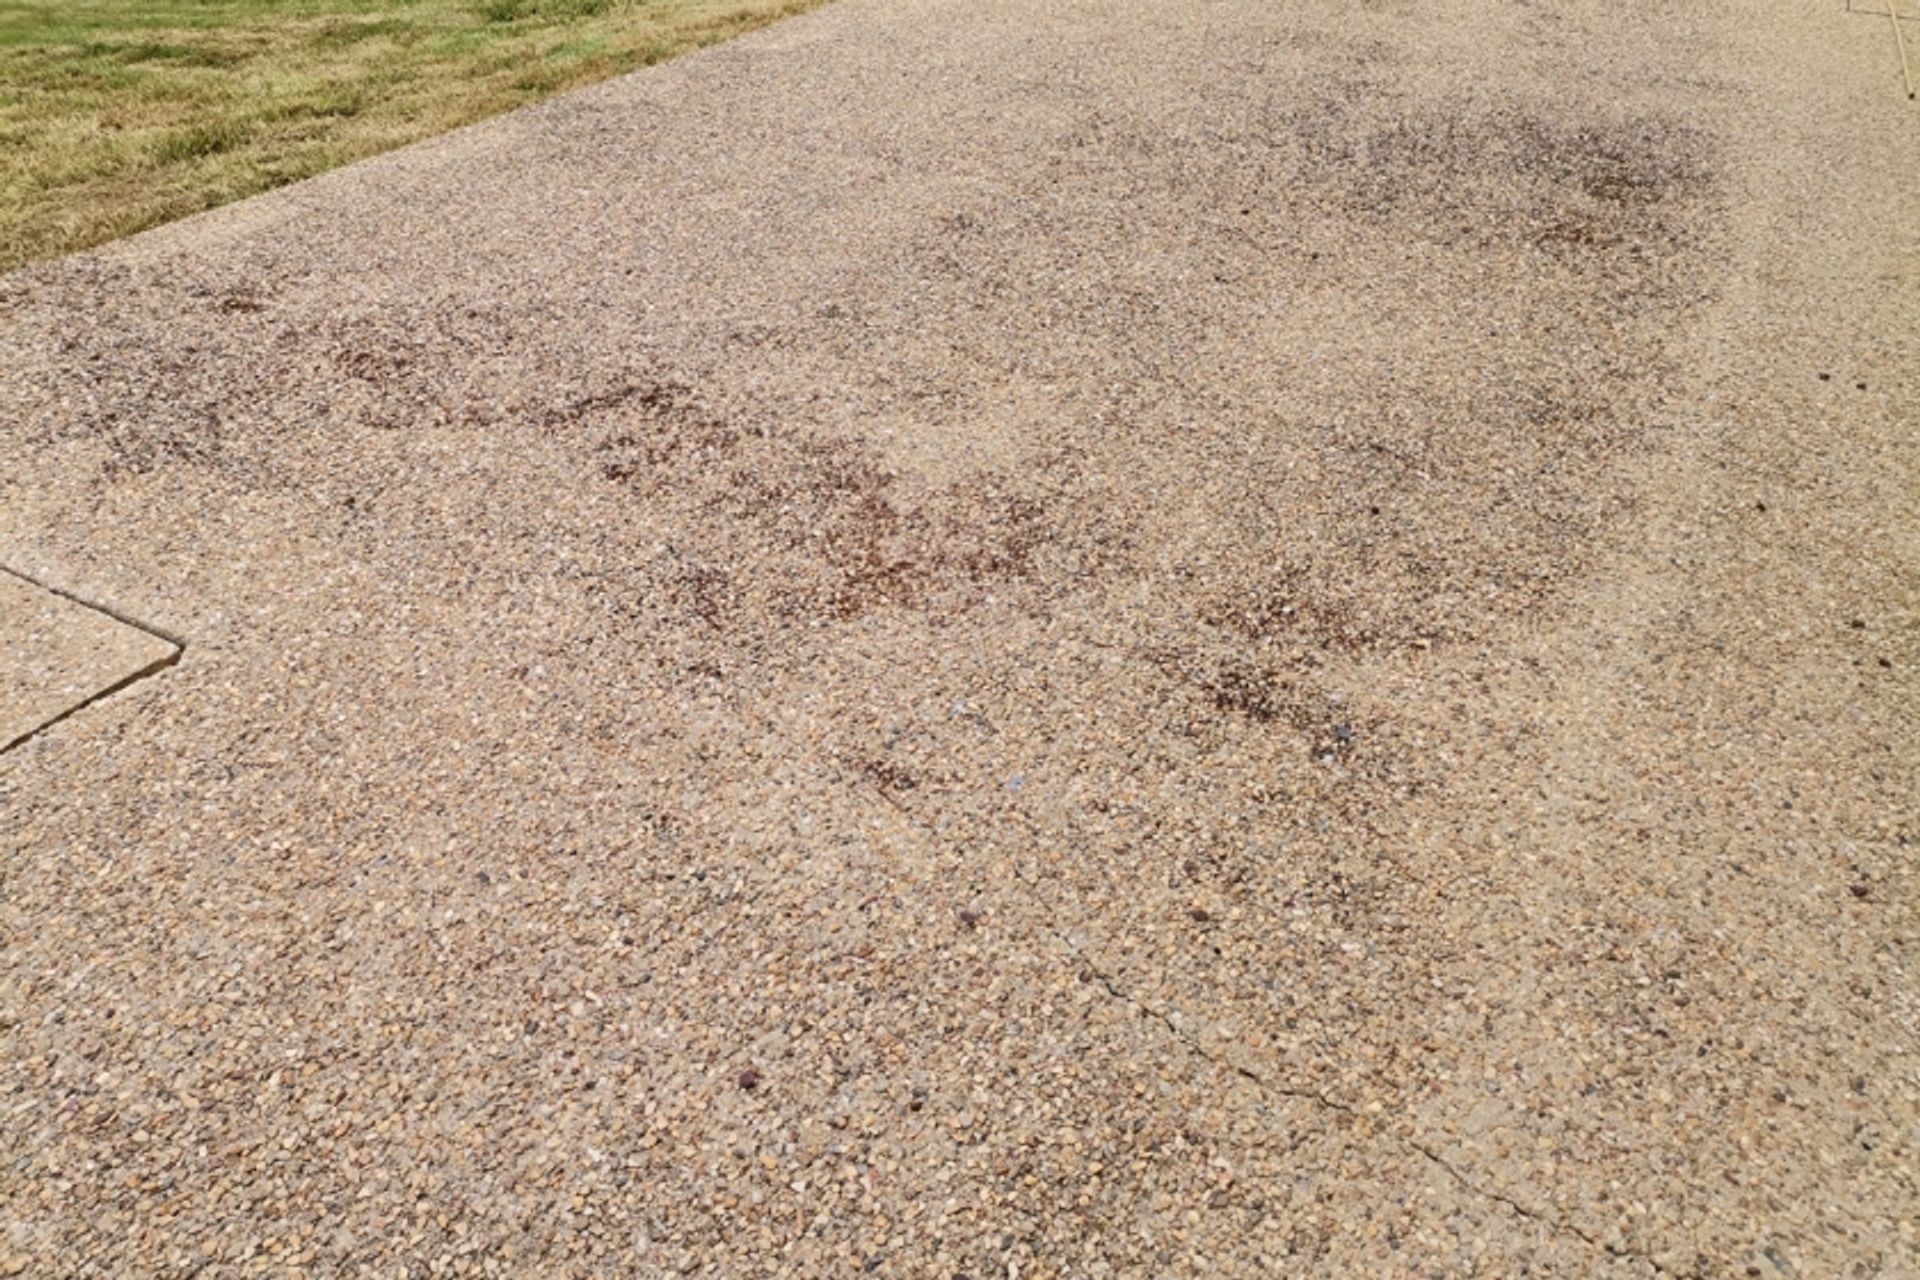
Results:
[58, 655]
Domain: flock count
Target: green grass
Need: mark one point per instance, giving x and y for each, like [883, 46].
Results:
[117, 115]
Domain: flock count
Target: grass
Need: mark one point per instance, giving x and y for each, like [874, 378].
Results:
[118, 115]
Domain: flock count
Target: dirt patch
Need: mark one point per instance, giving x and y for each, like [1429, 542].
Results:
[1494, 173]
[819, 530]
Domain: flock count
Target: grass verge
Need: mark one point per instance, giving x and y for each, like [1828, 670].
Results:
[118, 115]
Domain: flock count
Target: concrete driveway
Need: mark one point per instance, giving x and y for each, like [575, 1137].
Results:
[1004, 639]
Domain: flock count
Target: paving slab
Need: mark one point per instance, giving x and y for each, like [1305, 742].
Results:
[1042, 639]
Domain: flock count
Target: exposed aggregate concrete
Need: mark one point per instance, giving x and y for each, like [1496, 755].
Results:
[1011, 639]
[57, 655]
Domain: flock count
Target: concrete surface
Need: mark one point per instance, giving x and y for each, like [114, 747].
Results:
[1000, 639]
[56, 655]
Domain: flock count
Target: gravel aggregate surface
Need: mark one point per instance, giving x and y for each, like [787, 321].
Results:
[1010, 639]
[56, 654]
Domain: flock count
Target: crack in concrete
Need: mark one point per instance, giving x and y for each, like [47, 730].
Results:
[1193, 1045]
